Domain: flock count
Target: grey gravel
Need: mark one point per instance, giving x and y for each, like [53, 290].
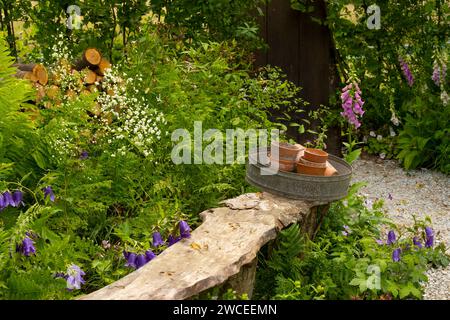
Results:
[418, 192]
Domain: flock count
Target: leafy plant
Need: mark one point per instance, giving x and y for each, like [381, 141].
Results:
[350, 258]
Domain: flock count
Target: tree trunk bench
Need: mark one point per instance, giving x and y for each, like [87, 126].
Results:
[222, 250]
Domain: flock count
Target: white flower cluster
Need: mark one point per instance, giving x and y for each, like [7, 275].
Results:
[60, 51]
[134, 124]
[61, 144]
[61, 69]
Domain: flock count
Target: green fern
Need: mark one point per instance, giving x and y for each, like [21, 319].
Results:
[19, 141]
[284, 258]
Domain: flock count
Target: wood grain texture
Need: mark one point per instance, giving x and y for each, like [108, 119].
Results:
[228, 239]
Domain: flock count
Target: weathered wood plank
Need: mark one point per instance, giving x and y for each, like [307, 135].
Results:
[227, 240]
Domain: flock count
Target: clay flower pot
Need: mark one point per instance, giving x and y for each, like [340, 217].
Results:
[313, 164]
[287, 150]
[287, 165]
[315, 155]
[330, 171]
[309, 170]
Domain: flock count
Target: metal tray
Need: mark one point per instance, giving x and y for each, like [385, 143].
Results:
[300, 186]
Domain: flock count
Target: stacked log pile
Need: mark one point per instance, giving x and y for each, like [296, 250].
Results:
[88, 72]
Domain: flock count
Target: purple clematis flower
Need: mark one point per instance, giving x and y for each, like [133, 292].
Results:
[131, 259]
[417, 242]
[391, 237]
[74, 277]
[27, 247]
[141, 260]
[396, 255]
[17, 198]
[344, 233]
[429, 237]
[184, 229]
[48, 191]
[149, 255]
[157, 239]
[172, 240]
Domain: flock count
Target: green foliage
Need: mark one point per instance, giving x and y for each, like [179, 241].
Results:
[114, 187]
[417, 32]
[112, 25]
[212, 19]
[344, 261]
[425, 138]
[16, 126]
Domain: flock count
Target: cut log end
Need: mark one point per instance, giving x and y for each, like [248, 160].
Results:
[33, 72]
[90, 77]
[92, 56]
[41, 74]
[103, 66]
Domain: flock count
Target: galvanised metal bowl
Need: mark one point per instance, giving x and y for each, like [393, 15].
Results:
[299, 186]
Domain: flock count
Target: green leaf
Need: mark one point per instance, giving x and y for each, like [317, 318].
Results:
[353, 156]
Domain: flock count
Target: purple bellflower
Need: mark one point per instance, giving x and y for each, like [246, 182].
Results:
[48, 191]
[84, 155]
[74, 277]
[131, 259]
[396, 255]
[149, 255]
[172, 240]
[429, 237]
[157, 239]
[2, 202]
[184, 229]
[391, 237]
[9, 201]
[27, 247]
[17, 198]
[141, 260]
[417, 242]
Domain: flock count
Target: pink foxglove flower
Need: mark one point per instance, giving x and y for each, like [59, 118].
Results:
[406, 72]
[352, 104]
[439, 73]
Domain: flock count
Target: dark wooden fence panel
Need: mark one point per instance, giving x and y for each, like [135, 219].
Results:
[302, 48]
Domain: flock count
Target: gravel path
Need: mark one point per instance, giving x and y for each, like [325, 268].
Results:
[421, 193]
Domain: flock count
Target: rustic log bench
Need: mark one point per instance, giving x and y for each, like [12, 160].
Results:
[222, 250]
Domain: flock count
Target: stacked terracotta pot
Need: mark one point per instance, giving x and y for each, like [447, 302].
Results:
[288, 155]
[295, 157]
[314, 162]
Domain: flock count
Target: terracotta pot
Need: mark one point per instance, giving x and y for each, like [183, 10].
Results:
[287, 165]
[312, 171]
[330, 171]
[315, 155]
[313, 164]
[287, 150]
